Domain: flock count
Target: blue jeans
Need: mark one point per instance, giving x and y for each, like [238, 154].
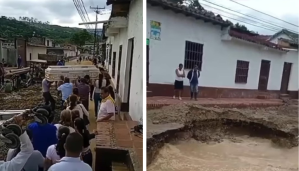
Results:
[97, 99]
[194, 88]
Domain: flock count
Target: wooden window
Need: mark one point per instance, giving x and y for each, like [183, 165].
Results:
[193, 55]
[242, 71]
[113, 65]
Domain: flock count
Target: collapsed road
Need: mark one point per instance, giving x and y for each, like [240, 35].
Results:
[192, 137]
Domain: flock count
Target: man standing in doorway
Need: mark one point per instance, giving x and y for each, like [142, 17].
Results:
[179, 82]
[193, 76]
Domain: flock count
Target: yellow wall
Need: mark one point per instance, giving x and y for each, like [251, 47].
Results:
[34, 52]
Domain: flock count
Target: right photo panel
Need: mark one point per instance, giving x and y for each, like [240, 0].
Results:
[222, 85]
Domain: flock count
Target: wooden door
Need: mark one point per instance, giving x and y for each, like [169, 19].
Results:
[264, 75]
[147, 65]
[131, 42]
[285, 78]
[118, 70]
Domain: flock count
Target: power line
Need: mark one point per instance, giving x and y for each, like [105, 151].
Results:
[274, 30]
[262, 23]
[263, 13]
[85, 10]
[80, 12]
[246, 15]
[81, 5]
[97, 11]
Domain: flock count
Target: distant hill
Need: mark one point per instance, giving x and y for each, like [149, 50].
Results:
[99, 31]
[11, 28]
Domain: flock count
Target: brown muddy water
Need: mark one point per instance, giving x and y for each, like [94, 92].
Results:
[243, 153]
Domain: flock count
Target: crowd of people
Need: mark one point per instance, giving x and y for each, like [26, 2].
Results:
[66, 144]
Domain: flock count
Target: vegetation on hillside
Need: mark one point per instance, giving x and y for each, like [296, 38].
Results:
[25, 27]
[196, 5]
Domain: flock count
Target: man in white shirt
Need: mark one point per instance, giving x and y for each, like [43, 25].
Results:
[18, 162]
[72, 162]
[107, 108]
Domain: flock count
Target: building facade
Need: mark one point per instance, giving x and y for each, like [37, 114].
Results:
[232, 63]
[124, 54]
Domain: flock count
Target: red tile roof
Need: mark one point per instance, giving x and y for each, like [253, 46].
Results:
[255, 39]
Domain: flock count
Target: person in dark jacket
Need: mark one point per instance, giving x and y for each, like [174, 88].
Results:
[193, 76]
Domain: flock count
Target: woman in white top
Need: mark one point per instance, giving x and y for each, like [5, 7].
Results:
[56, 151]
[96, 97]
[65, 120]
[107, 108]
[75, 106]
[179, 81]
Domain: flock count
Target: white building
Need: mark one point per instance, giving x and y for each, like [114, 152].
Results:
[124, 59]
[233, 64]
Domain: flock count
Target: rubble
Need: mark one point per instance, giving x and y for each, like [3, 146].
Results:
[26, 98]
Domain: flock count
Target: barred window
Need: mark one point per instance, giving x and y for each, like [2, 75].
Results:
[193, 55]
[242, 71]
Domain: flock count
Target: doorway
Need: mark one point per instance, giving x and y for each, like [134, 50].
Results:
[147, 65]
[264, 75]
[285, 77]
[118, 69]
[129, 66]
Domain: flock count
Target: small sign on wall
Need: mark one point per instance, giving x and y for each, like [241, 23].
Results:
[155, 30]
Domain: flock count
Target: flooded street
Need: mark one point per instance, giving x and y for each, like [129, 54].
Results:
[244, 154]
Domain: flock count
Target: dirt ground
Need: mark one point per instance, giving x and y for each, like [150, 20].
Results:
[283, 118]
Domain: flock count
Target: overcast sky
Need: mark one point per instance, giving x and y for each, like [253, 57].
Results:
[60, 12]
[63, 12]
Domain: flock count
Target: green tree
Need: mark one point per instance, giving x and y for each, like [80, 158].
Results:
[81, 37]
[195, 4]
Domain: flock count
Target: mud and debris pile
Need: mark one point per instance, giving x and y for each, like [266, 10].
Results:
[26, 98]
[181, 123]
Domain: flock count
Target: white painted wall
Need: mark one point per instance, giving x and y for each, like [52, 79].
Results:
[275, 40]
[34, 52]
[50, 42]
[68, 53]
[292, 57]
[135, 31]
[219, 57]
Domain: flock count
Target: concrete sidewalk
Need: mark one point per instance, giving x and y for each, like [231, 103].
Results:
[160, 101]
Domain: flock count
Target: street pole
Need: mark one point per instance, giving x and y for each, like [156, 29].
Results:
[97, 11]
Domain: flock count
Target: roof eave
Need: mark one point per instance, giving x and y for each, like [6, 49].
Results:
[187, 13]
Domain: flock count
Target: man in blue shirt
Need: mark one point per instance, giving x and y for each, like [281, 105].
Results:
[43, 135]
[66, 90]
[193, 76]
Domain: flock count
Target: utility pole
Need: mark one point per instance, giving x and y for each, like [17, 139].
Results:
[97, 11]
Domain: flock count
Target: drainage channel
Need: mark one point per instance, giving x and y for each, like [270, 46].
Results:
[223, 144]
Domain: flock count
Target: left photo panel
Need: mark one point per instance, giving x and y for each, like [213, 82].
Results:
[71, 85]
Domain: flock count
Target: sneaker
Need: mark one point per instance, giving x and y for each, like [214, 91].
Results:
[180, 98]
[173, 97]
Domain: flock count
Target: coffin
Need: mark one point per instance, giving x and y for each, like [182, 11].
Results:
[53, 73]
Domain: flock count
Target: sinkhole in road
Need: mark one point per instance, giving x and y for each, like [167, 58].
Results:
[225, 145]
